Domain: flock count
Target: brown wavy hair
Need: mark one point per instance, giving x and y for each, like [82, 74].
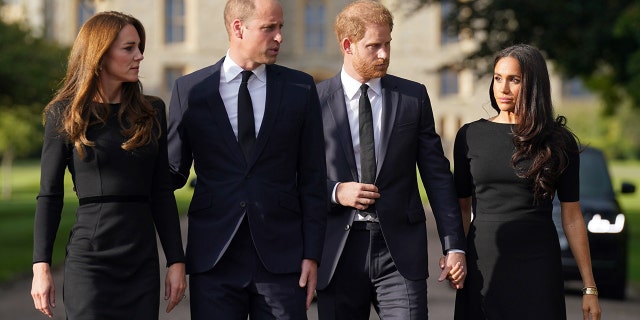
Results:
[541, 139]
[81, 90]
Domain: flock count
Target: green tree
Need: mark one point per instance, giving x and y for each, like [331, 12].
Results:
[595, 40]
[30, 69]
[17, 137]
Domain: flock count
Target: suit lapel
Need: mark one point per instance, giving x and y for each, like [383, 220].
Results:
[390, 102]
[218, 111]
[338, 108]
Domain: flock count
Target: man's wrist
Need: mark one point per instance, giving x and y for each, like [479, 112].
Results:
[334, 194]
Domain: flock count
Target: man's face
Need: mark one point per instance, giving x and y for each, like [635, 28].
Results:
[261, 35]
[371, 55]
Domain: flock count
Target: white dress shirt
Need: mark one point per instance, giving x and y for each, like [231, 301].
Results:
[351, 88]
[230, 79]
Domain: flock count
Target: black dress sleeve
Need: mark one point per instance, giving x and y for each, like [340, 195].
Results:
[56, 156]
[461, 165]
[163, 201]
[568, 187]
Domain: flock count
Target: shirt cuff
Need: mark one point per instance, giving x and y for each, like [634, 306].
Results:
[455, 251]
[334, 200]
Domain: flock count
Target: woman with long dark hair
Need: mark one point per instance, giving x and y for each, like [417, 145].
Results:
[113, 141]
[508, 169]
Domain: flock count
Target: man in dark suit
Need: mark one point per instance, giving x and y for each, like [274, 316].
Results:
[375, 248]
[258, 214]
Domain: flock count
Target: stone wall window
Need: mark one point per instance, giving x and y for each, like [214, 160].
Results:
[174, 21]
[170, 76]
[314, 20]
[449, 84]
[446, 35]
[86, 9]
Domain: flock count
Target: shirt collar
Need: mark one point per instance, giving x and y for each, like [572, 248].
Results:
[351, 86]
[232, 70]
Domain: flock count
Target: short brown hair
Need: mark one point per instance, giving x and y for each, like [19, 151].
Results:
[352, 20]
[237, 9]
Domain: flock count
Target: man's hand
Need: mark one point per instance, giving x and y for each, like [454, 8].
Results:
[356, 195]
[309, 278]
[454, 266]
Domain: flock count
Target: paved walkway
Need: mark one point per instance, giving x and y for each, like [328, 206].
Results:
[16, 302]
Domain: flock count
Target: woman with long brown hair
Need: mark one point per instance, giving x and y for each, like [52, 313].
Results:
[508, 169]
[112, 139]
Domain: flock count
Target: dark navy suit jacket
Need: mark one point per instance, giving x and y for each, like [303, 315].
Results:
[280, 188]
[408, 138]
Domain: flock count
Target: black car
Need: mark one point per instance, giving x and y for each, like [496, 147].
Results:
[607, 228]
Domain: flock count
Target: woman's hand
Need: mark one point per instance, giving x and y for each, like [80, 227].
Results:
[453, 267]
[175, 284]
[43, 289]
[590, 307]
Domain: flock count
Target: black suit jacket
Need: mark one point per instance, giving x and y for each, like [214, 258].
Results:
[407, 139]
[280, 188]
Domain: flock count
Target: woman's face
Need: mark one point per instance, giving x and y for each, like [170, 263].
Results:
[122, 62]
[507, 79]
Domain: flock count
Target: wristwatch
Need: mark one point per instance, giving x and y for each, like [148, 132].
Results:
[590, 290]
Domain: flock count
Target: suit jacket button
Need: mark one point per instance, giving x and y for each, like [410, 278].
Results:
[243, 204]
[347, 227]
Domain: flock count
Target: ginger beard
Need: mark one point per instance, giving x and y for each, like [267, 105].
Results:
[371, 69]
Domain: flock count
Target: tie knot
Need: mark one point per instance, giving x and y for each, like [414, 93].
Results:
[363, 88]
[246, 74]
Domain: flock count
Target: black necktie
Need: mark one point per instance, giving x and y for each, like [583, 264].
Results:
[246, 123]
[367, 148]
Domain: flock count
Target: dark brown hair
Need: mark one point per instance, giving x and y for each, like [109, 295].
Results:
[540, 138]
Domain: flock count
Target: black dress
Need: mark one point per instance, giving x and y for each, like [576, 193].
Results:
[514, 266]
[111, 268]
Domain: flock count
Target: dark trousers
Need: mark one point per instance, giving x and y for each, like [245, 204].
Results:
[239, 286]
[366, 275]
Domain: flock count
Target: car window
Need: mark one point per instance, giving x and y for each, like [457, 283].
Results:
[595, 181]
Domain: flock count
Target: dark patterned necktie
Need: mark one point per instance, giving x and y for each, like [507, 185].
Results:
[246, 123]
[367, 148]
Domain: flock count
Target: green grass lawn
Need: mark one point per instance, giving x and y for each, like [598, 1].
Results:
[630, 172]
[16, 218]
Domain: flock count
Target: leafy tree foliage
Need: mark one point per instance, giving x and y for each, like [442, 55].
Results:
[19, 135]
[30, 69]
[595, 40]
